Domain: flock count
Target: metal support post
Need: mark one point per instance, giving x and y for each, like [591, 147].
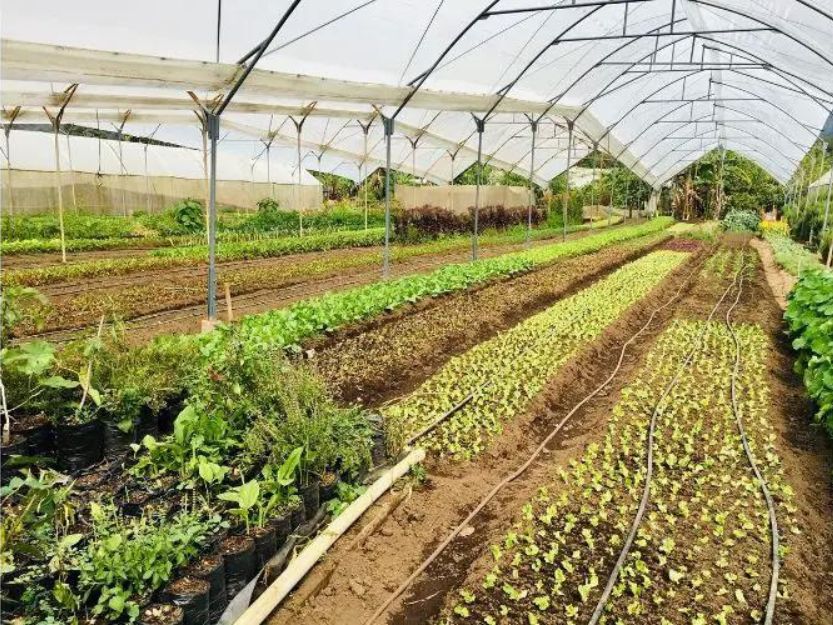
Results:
[59, 183]
[534, 126]
[365, 130]
[818, 174]
[566, 201]
[299, 126]
[826, 207]
[722, 196]
[72, 179]
[627, 195]
[7, 132]
[388, 124]
[481, 124]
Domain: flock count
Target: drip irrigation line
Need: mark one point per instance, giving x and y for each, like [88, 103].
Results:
[646, 490]
[522, 469]
[773, 522]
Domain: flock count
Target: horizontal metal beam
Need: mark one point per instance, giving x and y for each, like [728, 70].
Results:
[559, 7]
[691, 33]
[45, 63]
[688, 64]
[706, 121]
[706, 100]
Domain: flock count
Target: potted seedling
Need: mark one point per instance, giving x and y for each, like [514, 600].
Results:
[191, 595]
[27, 381]
[278, 485]
[329, 485]
[309, 483]
[239, 550]
[211, 568]
[25, 431]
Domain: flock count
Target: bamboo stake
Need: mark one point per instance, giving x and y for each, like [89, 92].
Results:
[229, 312]
[60, 195]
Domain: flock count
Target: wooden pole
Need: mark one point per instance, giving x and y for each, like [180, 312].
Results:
[56, 129]
[60, 193]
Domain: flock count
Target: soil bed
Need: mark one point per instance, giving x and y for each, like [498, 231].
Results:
[364, 578]
[173, 300]
[387, 357]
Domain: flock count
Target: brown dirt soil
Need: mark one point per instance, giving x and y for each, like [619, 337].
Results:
[32, 261]
[364, 578]
[807, 456]
[387, 357]
[780, 282]
[173, 300]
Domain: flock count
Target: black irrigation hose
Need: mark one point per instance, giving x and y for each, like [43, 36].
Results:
[773, 522]
[518, 472]
[646, 491]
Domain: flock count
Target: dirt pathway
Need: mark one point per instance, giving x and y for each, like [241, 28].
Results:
[780, 282]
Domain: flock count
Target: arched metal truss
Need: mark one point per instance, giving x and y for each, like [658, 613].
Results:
[634, 78]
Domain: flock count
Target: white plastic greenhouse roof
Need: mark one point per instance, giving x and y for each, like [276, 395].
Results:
[33, 151]
[657, 83]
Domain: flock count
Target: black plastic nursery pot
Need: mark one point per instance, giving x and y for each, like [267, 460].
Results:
[29, 437]
[213, 570]
[167, 415]
[298, 515]
[79, 446]
[240, 561]
[282, 524]
[147, 424]
[378, 452]
[37, 431]
[266, 545]
[190, 594]
[116, 440]
[310, 495]
[161, 614]
[328, 491]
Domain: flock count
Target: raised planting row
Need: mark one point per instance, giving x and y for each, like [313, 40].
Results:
[494, 381]
[289, 326]
[132, 381]
[809, 318]
[380, 360]
[53, 246]
[189, 252]
[724, 263]
[195, 255]
[182, 221]
[187, 517]
[73, 306]
[702, 553]
[792, 257]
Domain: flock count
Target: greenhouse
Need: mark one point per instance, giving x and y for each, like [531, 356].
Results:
[367, 312]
